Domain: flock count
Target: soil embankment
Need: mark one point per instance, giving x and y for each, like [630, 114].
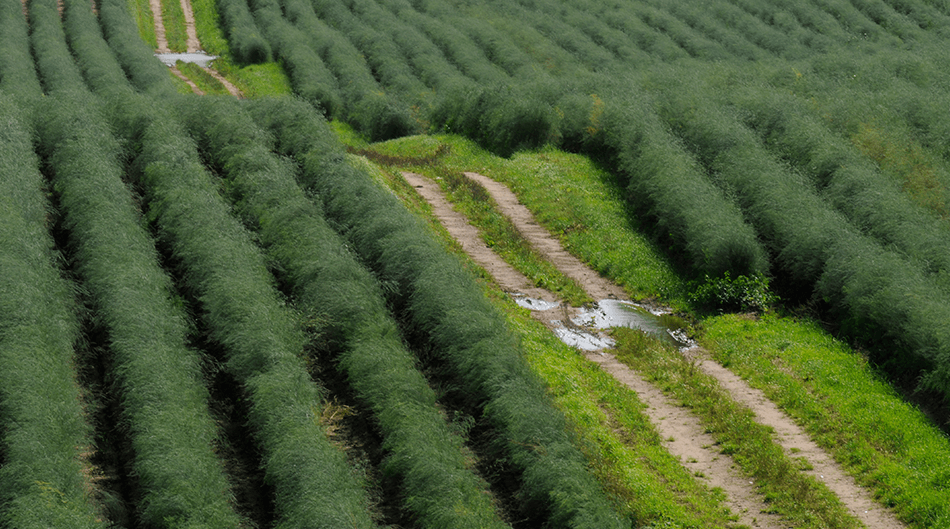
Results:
[684, 434]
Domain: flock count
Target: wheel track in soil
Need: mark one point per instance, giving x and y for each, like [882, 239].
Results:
[683, 434]
[192, 43]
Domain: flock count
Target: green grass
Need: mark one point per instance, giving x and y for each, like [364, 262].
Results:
[206, 26]
[895, 449]
[577, 201]
[173, 18]
[255, 80]
[202, 79]
[645, 481]
[142, 13]
[889, 445]
[798, 498]
[648, 484]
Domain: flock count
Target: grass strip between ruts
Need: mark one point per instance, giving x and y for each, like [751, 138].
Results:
[835, 395]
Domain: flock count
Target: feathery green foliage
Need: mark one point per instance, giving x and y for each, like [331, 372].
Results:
[311, 79]
[55, 65]
[245, 41]
[244, 314]
[159, 380]
[437, 481]
[99, 66]
[44, 480]
[146, 72]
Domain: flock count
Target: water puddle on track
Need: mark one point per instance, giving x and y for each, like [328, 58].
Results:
[201, 59]
[583, 328]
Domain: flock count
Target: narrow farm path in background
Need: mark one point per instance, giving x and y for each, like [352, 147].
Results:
[194, 45]
[788, 435]
[549, 247]
[683, 434]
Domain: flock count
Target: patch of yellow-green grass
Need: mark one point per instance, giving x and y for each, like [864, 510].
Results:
[348, 135]
[142, 13]
[180, 85]
[577, 201]
[202, 79]
[889, 445]
[799, 498]
[206, 26]
[256, 80]
[173, 19]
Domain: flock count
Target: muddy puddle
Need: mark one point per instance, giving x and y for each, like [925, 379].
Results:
[201, 59]
[584, 328]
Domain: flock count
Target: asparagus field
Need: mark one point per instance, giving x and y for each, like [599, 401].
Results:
[221, 311]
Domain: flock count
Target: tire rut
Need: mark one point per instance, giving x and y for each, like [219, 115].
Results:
[684, 436]
[193, 46]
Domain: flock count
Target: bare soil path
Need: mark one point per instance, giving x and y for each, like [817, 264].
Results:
[156, 6]
[788, 435]
[511, 280]
[183, 77]
[194, 45]
[682, 432]
[549, 247]
[684, 435]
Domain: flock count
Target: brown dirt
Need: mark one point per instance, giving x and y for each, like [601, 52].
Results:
[549, 247]
[683, 434]
[509, 279]
[156, 6]
[183, 77]
[233, 90]
[193, 44]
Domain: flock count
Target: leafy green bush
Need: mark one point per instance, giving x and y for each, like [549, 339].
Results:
[726, 294]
